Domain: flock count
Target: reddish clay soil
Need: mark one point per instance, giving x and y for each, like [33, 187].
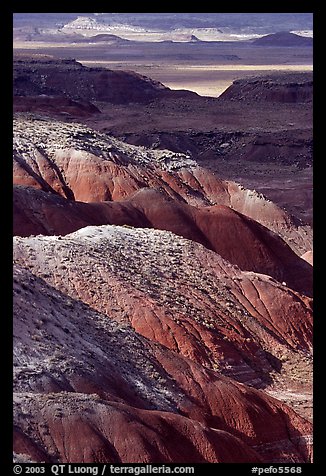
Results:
[217, 315]
[60, 344]
[218, 228]
[162, 303]
[80, 163]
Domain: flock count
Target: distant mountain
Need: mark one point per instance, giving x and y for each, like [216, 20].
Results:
[283, 38]
[259, 23]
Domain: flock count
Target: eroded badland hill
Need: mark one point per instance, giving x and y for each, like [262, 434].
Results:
[162, 268]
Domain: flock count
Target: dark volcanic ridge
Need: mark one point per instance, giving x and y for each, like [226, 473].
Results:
[54, 77]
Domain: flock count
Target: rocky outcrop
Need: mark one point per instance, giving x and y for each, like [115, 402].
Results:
[308, 256]
[284, 88]
[80, 163]
[290, 147]
[54, 106]
[83, 379]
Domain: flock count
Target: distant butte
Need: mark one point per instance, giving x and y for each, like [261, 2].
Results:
[277, 87]
[283, 38]
[104, 37]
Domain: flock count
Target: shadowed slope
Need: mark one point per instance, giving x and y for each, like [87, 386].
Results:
[85, 386]
[235, 237]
